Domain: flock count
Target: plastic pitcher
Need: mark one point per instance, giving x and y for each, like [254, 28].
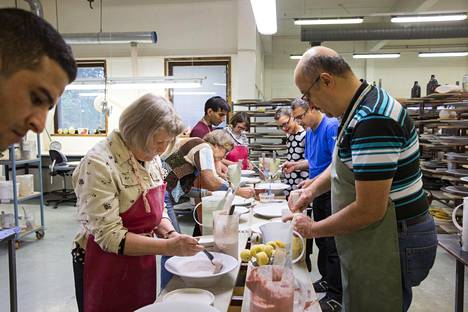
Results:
[209, 204]
[272, 288]
[281, 231]
[463, 229]
[226, 233]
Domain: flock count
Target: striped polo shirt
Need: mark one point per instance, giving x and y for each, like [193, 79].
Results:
[380, 143]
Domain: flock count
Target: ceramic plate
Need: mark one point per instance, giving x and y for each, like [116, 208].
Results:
[241, 201]
[250, 180]
[190, 295]
[275, 186]
[241, 210]
[270, 210]
[464, 179]
[247, 172]
[178, 306]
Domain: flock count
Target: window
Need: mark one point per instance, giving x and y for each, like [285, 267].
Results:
[189, 103]
[76, 109]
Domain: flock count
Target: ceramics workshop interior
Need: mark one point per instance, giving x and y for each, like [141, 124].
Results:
[233, 155]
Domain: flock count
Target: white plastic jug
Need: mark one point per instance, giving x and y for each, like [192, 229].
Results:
[272, 231]
[209, 204]
[463, 229]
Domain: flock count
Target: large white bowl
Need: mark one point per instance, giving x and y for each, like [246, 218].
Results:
[178, 306]
[197, 270]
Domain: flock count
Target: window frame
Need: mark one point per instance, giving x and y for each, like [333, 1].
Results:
[84, 63]
[170, 63]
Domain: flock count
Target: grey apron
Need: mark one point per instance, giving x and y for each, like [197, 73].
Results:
[370, 258]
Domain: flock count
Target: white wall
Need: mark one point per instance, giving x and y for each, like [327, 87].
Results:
[398, 75]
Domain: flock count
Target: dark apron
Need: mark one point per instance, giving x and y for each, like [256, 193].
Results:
[121, 283]
[370, 257]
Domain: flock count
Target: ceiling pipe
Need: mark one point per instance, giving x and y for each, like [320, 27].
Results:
[111, 37]
[36, 7]
[384, 32]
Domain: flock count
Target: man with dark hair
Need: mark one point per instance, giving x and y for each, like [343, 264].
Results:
[216, 109]
[35, 66]
[318, 151]
[385, 237]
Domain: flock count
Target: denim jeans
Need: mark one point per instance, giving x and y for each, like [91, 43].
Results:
[418, 247]
[166, 275]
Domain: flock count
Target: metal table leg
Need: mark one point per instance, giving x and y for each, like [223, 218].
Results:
[12, 273]
[459, 286]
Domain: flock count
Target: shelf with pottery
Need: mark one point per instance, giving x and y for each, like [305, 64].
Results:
[25, 189]
[262, 122]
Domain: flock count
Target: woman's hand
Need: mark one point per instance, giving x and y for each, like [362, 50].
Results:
[246, 192]
[182, 245]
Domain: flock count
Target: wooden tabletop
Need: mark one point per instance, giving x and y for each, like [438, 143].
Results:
[451, 244]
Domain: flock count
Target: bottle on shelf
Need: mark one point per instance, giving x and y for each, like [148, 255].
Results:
[416, 90]
[431, 85]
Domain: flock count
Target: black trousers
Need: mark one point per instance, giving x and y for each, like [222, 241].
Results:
[78, 271]
[328, 262]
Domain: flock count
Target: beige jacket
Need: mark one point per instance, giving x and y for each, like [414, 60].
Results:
[106, 185]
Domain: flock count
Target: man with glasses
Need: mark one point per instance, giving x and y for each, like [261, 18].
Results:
[385, 237]
[319, 145]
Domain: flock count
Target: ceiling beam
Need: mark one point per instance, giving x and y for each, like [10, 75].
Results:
[422, 5]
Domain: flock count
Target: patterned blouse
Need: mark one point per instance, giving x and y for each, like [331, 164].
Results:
[295, 145]
[107, 183]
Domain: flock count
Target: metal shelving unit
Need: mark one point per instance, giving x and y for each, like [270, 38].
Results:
[264, 136]
[13, 163]
[440, 138]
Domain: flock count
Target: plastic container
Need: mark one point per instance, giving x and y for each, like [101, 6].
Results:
[26, 182]
[6, 190]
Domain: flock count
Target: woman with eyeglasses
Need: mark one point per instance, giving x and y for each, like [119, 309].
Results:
[237, 127]
[295, 144]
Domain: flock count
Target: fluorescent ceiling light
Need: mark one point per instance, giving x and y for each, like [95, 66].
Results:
[375, 55]
[87, 84]
[328, 21]
[90, 93]
[441, 54]
[219, 84]
[428, 18]
[111, 38]
[154, 82]
[194, 93]
[136, 83]
[265, 16]
[295, 56]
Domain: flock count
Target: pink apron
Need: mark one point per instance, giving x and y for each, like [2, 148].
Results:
[121, 283]
[239, 152]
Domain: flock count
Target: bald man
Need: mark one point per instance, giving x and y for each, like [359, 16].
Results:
[35, 66]
[385, 237]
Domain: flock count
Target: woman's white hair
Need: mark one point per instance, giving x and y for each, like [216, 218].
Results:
[220, 138]
[144, 117]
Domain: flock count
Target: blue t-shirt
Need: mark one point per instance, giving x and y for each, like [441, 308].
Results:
[319, 145]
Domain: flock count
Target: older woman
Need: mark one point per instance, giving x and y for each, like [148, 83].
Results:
[295, 145]
[238, 125]
[120, 189]
[190, 163]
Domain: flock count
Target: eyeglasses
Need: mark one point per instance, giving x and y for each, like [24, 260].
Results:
[240, 128]
[285, 124]
[305, 95]
[301, 116]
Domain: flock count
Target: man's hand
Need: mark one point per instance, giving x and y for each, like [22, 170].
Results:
[304, 200]
[305, 183]
[303, 224]
[289, 166]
